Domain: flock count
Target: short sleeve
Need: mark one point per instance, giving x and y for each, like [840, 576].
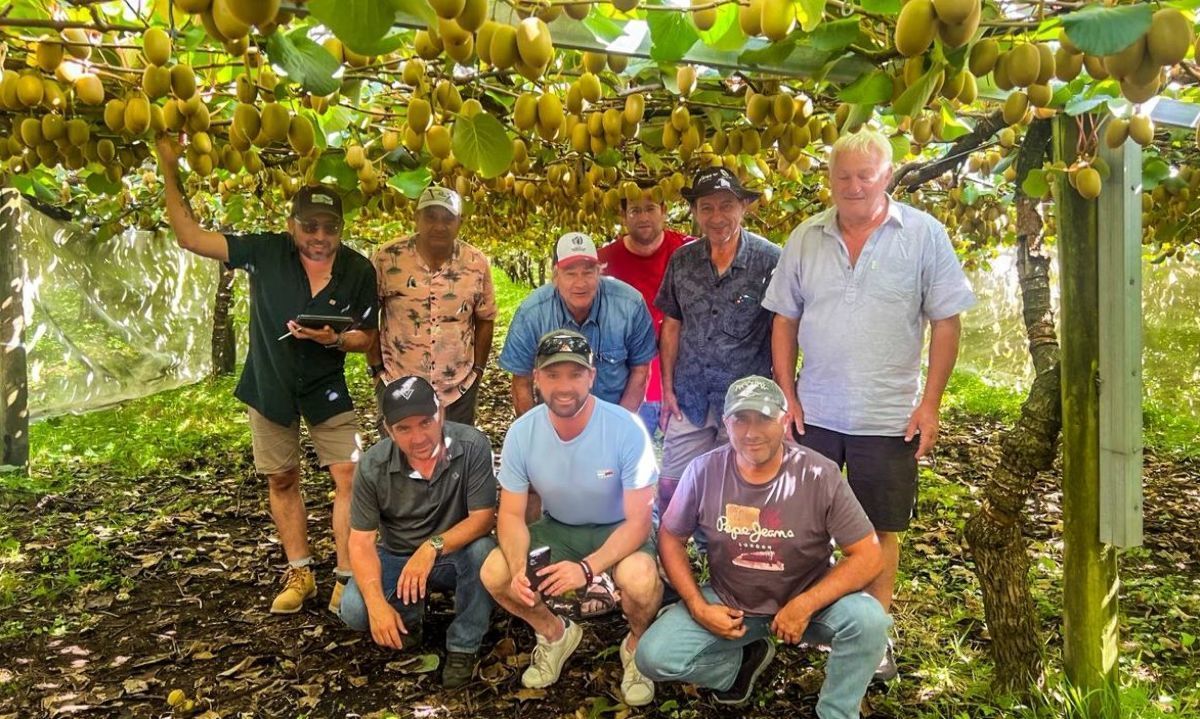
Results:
[666, 300]
[486, 308]
[845, 519]
[514, 475]
[945, 291]
[639, 469]
[481, 481]
[243, 251]
[641, 341]
[364, 504]
[783, 296]
[520, 344]
[368, 298]
[683, 513]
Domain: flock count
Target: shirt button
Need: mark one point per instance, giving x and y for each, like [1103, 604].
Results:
[714, 313]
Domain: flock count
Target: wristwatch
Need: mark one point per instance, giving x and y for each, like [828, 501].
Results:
[437, 542]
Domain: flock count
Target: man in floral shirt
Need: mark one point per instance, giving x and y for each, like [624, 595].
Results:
[437, 307]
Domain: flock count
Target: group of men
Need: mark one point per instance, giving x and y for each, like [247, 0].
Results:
[698, 338]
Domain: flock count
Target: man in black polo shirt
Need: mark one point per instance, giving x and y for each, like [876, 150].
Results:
[292, 371]
[428, 491]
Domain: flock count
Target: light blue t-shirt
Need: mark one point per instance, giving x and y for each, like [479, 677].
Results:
[862, 328]
[618, 328]
[582, 481]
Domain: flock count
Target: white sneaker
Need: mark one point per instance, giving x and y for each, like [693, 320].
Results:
[549, 657]
[636, 689]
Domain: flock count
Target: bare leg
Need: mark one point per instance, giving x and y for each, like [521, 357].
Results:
[497, 579]
[641, 593]
[343, 482]
[287, 509]
[884, 586]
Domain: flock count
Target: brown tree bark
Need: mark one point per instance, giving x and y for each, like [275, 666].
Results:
[224, 341]
[994, 533]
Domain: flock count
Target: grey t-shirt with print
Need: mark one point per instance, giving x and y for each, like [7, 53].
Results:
[766, 542]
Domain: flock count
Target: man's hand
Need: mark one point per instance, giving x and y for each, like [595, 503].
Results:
[670, 409]
[561, 577]
[325, 336]
[168, 150]
[791, 621]
[410, 587]
[924, 420]
[519, 586]
[725, 622]
[386, 625]
[795, 412]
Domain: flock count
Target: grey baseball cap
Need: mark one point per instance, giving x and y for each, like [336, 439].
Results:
[755, 393]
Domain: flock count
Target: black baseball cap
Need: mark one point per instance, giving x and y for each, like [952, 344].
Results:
[408, 397]
[716, 179]
[313, 200]
[563, 346]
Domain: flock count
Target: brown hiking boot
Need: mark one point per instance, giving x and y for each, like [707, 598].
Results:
[298, 584]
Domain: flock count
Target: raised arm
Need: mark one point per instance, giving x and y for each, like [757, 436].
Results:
[188, 232]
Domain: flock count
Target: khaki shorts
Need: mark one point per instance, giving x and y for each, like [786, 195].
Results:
[277, 448]
[685, 441]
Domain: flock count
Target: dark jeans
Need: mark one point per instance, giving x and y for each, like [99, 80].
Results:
[457, 572]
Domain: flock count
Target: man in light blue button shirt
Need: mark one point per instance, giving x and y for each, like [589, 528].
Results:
[611, 314]
[854, 290]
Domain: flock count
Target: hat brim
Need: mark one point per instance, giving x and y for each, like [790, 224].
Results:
[448, 207]
[767, 409]
[741, 193]
[563, 357]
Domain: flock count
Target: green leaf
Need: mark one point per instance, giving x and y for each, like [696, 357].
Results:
[332, 165]
[1079, 104]
[952, 129]
[1100, 30]
[859, 114]
[481, 144]
[836, 35]
[1154, 171]
[1187, 640]
[418, 8]
[99, 184]
[411, 183]
[609, 158]
[915, 97]
[603, 28]
[359, 24]
[1035, 184]
[873, 88]
[672, 34]
[747, 161]
[901, 147]
[809, 13]
[725, 34]
[883, 7]
[652, 161]
[773, 54]
[304, 61]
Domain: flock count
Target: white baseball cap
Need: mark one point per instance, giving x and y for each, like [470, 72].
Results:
[443, 197]
[574, 247]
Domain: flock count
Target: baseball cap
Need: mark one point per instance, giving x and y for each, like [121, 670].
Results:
[443, 197]
[574, 247]
[408, 397]
[563, 346]
[716, 179]
[755, 393]
[312, 200]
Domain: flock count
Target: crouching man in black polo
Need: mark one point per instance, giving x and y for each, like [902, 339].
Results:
[428, 491]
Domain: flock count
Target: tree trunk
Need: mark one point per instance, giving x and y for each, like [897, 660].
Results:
[994, 533]
[541, 272]
[224, 341]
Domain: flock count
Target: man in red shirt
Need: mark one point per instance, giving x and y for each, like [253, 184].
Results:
[639, 258]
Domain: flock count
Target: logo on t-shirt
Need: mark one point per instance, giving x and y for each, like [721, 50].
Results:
[754, 529]
[606, 473]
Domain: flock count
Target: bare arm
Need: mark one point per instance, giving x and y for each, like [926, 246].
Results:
[860, 564]
[475, 525]
[512, 533]
[522, 393]
[188, 232]
[359, 340]
[672, 550]
[943, 353]
[632, 533]
[668, 352]
[784, 350]
[364, 563]
[484, 331]
[635, 388]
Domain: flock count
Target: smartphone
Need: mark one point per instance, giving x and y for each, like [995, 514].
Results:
[315, 322]
[538, 559]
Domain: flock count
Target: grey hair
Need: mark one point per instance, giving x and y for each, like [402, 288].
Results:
[866, 142]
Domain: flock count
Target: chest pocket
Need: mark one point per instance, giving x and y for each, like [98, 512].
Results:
[892, 284]
[612, 356]
[740, 315]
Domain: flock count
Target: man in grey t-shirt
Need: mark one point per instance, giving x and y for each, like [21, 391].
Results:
[769, 510]
[427, 491]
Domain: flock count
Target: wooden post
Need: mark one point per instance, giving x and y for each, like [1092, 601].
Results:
[1089, 567]
[14, 379]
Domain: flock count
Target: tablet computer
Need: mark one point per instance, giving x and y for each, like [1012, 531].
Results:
[316, 322]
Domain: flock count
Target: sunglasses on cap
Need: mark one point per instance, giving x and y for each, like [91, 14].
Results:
[555, 344]
[311, 226]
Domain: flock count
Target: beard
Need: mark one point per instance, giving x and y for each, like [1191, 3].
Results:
[317, 250]
[566, 406]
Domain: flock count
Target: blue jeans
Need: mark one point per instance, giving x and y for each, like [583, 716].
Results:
[457, 572]
[677, 648]
[649, 413]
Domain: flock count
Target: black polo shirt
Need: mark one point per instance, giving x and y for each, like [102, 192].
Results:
[725, 333]
[405, 508]
[284, 379]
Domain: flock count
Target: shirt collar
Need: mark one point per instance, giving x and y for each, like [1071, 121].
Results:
[593, 313]
[741, 258]
[411, 246]
[827, 220]
[398, 463]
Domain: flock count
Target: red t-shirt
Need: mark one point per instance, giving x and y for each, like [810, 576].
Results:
[645, 274]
